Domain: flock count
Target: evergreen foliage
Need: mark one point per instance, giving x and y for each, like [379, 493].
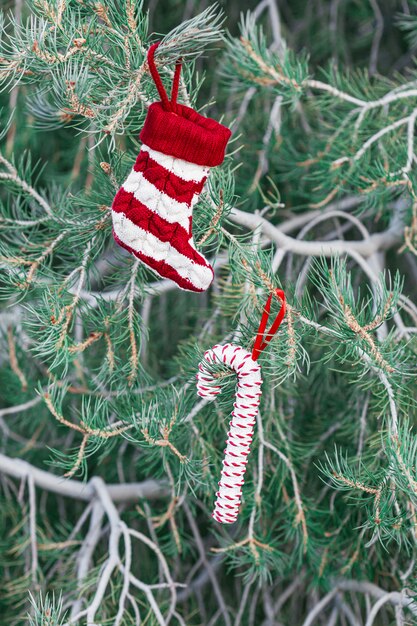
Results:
[109, 460]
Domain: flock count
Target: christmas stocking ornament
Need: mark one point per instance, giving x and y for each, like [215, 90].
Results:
[239, 438]
[152, 212]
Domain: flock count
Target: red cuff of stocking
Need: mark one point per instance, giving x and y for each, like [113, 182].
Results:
[185, 134]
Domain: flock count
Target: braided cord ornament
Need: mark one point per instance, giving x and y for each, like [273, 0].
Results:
[248, 393]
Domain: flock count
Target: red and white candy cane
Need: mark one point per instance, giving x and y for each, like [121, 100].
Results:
[248, 393]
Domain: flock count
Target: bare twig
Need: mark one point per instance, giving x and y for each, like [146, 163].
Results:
[128, 492]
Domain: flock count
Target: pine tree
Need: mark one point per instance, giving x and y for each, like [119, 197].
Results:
[109, 460]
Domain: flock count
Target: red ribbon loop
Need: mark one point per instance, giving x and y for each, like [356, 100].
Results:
[169, 105]
[263, 339]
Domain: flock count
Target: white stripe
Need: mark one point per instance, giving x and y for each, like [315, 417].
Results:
[183, 169]
[157, 201]
[143, 241]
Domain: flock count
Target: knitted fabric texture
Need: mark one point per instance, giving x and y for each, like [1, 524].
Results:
[239, 438]
[152, 211]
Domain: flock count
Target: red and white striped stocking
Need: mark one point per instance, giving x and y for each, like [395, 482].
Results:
[152, 211]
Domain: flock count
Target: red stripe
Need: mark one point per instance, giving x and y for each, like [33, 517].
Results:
[185, 134]
[166, 181]
[138, 213]
[162, 268]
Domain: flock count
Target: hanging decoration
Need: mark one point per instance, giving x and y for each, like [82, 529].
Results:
[248, 393]
[152, 211]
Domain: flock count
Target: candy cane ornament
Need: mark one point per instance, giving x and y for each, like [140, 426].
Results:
[245, 412]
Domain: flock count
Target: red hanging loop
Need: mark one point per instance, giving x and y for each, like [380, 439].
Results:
[263, 339]
[176, 84]
[169, 105]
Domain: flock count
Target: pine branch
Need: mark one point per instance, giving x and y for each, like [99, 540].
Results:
[79, 490]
